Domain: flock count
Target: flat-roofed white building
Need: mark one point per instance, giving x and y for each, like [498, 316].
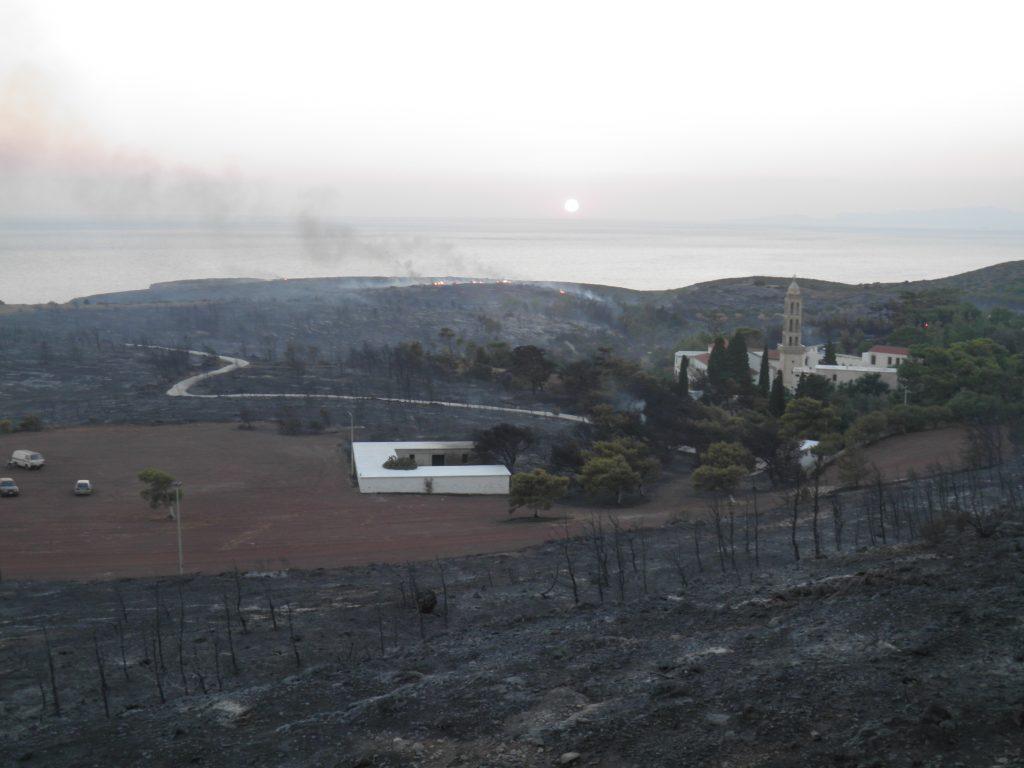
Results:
[441, 467]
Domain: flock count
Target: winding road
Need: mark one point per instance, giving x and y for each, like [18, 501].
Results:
[183, 389]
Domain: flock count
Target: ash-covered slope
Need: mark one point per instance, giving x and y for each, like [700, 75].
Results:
[908, 656]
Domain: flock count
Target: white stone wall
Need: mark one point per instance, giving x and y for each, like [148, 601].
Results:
[882, 359]
[839, 374]
[488, 485]
[694, 365]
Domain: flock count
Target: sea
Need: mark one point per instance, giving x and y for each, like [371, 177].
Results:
[58, 261]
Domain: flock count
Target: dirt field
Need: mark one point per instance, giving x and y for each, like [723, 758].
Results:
[253, 499]
[896, 456]
[261, 500]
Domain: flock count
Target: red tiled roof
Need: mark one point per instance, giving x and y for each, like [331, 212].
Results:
[773, 354]
[703, 357]
[885, 350]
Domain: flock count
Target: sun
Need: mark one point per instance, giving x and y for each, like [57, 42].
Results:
[571, 205]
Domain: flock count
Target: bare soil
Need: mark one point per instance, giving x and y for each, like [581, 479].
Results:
[257, 499]
[252, 499]
[895, 457]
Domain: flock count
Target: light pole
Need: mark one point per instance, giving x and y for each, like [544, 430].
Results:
[351, 443]
[177, 507]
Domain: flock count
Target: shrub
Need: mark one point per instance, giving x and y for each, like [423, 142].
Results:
[937, 416]
[868, 428]
[406, 462]
[853, 467]
[31, 423]
[245, 418]
[6, 427]
[289, 425]
[911, 418]
[711, 478]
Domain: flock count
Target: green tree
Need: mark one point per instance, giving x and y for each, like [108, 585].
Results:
[829, 358]
[828, 445]
[636, 454]
[536, 490]
[722, 467]
[870, 385]
[978, 365]
[739, 363]
[852, 466]
[813, 385]
[764, 376]
[718, 366]
[158, 490]
[504, 443]
[777, 399]
[718, 479]
[582, 380]
[609, 423]
[868, 428]
[683, 380]
[762, 436]
[530, 364]
[608, 476]
[725, 454]
[807, 418]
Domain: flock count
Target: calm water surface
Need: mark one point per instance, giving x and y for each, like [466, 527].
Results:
[56, 263]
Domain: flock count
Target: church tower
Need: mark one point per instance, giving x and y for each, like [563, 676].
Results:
[791, 351]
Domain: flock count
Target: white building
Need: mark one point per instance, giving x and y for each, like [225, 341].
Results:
[441, 467]
[794, 359]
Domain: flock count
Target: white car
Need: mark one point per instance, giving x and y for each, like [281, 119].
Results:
[8, 487]
[26, 460]
[83, 488]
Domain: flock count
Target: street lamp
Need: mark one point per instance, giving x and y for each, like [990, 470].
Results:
[351, 443]
[177, 506]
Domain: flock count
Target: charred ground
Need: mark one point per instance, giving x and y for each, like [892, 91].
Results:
[69, 362]
[908, 653]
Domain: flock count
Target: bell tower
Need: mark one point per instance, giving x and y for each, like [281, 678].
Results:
[791, 351]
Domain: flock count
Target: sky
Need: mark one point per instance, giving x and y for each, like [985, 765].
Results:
[649, 111]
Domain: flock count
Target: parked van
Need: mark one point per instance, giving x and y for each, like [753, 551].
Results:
[26, 460]
[83, 488]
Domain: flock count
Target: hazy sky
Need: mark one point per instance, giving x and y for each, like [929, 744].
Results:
[677, 111]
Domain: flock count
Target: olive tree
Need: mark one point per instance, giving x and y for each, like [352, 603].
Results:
[159, 489]
[536, 490]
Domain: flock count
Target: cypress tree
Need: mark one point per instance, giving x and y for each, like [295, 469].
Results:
[830, 354]
[683, 383]
[777, 400]
[764, 376]
[801, 386]
[739, 363]
[718, 365]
